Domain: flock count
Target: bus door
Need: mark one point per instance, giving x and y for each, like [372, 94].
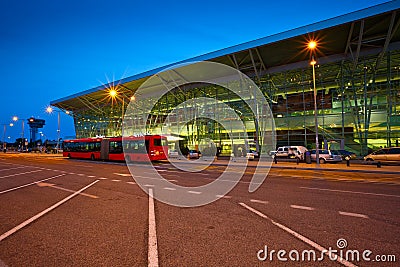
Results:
[105, 149]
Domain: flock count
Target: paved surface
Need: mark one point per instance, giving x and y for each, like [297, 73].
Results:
[60, 212]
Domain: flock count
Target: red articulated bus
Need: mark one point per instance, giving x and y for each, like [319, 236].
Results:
[153, 147]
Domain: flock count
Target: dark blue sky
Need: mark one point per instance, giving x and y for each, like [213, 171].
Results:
[52, 49]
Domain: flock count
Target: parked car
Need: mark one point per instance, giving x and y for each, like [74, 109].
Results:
[384, 154]
[173, 153]
[194, 154]
[326, 156]
[250, 155]
[346, 155]
[291, 152]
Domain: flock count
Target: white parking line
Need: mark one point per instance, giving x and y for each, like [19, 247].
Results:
[170, 188]
[123, 174]
[301, 207]
[258, 201]
[298, 236]
[115, 180]
[14, 168]
[194, 192]
[40, 214]
[152, 255]
[350, 192]
[358, 215]
[130, 182]
[16, 174]
[25, 185]
[64, 189]
[223, 196]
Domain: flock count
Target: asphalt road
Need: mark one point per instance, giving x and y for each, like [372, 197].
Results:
[61, 212]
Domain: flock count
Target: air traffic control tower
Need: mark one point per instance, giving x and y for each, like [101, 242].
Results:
[34, 125]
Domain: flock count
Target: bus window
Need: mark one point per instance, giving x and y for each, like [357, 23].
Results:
[116, 147]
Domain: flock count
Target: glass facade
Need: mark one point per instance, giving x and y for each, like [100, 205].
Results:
[358, 107]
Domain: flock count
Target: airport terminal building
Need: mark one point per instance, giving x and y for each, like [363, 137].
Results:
[357, 82]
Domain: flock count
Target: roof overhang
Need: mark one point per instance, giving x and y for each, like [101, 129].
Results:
[340, 39]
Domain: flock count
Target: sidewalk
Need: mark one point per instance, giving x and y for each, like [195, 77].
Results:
[355, 166]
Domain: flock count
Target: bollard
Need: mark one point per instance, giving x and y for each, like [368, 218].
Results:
[275, 160]
[379, 164]
[348, 162]
[297, 161]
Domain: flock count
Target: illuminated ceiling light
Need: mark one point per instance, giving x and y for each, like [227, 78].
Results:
[49, 109]
[133, 98]
[15, 118]
[312, 44]
[113, 93]
[313, 62]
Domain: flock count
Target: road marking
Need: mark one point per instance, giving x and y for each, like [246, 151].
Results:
[130, 182]
[152, 255]
[13, 168]
[351, 192]
[91, 176]
[40, 214]
[301, 207]
[116, 180]
[171, 180]
[41, 184]
[123, 174]
[149, 185]
[353, 214]
[170, 188]
[25, 185]
[258, 201]
[298, 236]
[223, 196]
[16, 174]
[80, 174]
[71, 173]
[102, 178]
[194, 192]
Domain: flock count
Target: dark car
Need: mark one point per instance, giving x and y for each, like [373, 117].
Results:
[346, 155]
[194, 154]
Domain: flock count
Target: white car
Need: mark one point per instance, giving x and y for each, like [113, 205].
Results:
[326, 156]
[173, 153]
[290, 152]
[250, 155]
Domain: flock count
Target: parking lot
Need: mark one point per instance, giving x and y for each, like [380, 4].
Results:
[60, 212]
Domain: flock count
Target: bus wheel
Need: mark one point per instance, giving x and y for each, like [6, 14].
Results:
[92, 157]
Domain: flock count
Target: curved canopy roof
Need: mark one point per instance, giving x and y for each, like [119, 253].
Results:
[373, 30]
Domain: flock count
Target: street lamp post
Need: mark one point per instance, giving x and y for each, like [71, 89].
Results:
[50, 110]
[15, 118]
[4, 134]
[312, 46]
